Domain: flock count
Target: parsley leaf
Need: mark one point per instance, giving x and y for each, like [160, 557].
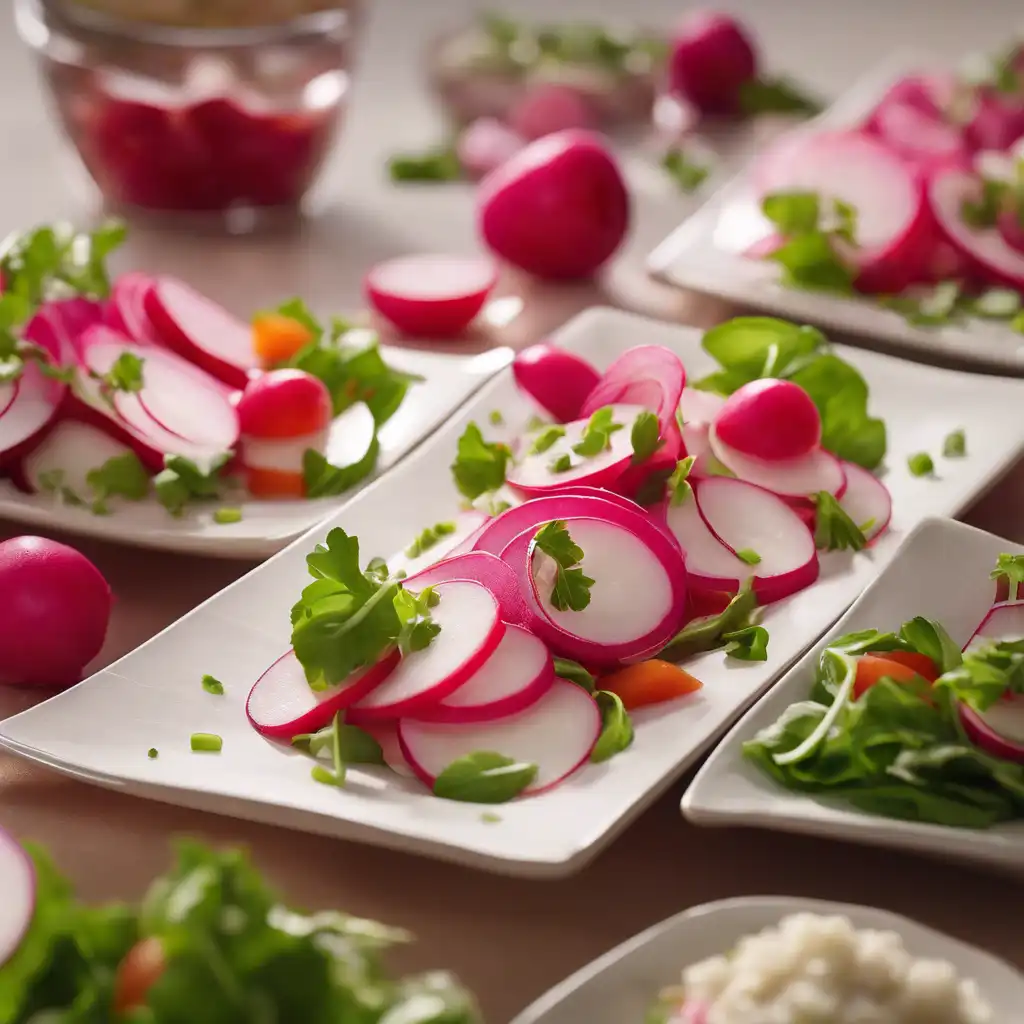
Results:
[120, 476]
[834, 530]
[355, 746]
[1010, 568]
[645, 437]
[687, 174]
[325, 480]
[125, 374]
[479, 465]
[181, 481]
[571, 589]
[545, 439]
[597, 434]
[748, 644]
[418, 627]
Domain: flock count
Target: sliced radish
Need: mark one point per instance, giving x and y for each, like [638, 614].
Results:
[283, 704]
[128, 299]
[921, 137]
[866, 500]
[697, 442]
[769, 419]
[986, 247]
[583, 491]
[18, 882]
[643, 564]
[485, 144]
[750, 520]
[471, 629]
[202, 331]
[516, 675]
[819, 470]
[558, 381]
[58, 326]
[697, 406]
[466, 524]
[533, 475]
[430, 296]
[636, 476]
[1004, 621]
[28, 405]
[386, 734]
[999, 729]
[557, 734]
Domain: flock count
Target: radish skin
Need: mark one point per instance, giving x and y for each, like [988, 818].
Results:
[712, 58]
[999, 730]
[558, 381]
[1004, 621]
[769, 419]
[866, 500]
[19, 903]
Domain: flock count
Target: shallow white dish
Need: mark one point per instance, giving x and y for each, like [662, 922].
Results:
[621, 986]
[267, 526]
[730, 791]
[705, 254]
[102, 728]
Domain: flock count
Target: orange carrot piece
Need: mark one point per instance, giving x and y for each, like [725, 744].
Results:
[650, 682]
[873, 667]
[274, 483]
[920, 663]
[276, 338]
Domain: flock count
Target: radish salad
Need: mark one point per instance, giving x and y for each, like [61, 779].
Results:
[921, 204]
[210, 941]
[905, 724]
[115, 391]
[640, 521]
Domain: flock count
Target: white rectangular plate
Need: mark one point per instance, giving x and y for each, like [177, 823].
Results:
[153, 697]
[621, 986]
[942, 572]
[705, 254]
[267, 526]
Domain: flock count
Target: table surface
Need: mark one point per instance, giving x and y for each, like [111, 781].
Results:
[509, 939]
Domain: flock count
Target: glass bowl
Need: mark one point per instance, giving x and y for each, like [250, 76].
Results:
[228, 123]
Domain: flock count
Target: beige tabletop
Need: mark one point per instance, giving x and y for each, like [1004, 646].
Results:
[508, 939]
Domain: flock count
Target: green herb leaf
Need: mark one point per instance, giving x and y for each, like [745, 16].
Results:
[325, 480]
[418, 626]
[955, 444]
[574, 672]
[687, 174]
[227, 516]
[937, 306]
[645, 437]
[1011, 569]
[679, 489]
[560, 464]
[983, 212]
[152, 753]
[479, 466]
[212, 685]
[545, 439]
[495, 418]
[748, 644]
[616, 727]
[834, 530]
[120, 476]
[998, 304]
[354, 745]
[920, 464]
[929, 638]
[597, 434]
[429, 538]
[708, 632]
[206, 743]
[125, 374]
[182, 481]
[749, 556]
[776, 96]
[484, 777]
[571, 590]
[435, 165]
[793, 213]
[811, 262]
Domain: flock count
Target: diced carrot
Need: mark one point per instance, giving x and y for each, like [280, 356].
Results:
[920, 663]
[873, 667]
[275, 483]
[276, 338]
[650, 682]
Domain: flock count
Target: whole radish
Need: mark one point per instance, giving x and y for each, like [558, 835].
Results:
[559, 209]
[770, 419]
[54, 612]
[712, 59]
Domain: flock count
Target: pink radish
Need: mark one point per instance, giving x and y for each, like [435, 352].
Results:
[644, 564]
[282, 703]
[770, 419]
[1011, 229]
[697, 443]
[515, 676]
[559, 209]
[46, 586]
[386, 734]
[985, 247]
[19, 903]
[202, 331]
[490, 572]
[997, 123]
[466, 524]
[57, 326]
[932, 94]
[999, 730]
[762, 531]
[128, 300]
[430, 296]
[712, 59]
[284, 403]
[470, 632]
[582, 491]
[920, 137]
[866, 500]
[557, 734]
[801, 477]
[634, 480]
[697, 406]
[485, 144]
[1004, 621]
[558, 381]
[550, 107]
[536, 475]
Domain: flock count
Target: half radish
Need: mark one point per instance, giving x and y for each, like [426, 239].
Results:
[430, 296]
[471, 630]
[282, 703]
[537, 475]
[557, 734]
[18, 884]
[1004, 621]
[867, 501]
[802, 477]
[516, 675]
[201, 331]
[465, 525]
[558, 381]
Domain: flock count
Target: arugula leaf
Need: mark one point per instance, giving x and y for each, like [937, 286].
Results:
[679, 488]
[325, 480]
[834, 530]
[545, 439]
[571, 590]
[479, 465]
[1011, 569]
[597, 434]
[484, 777]
[687, 174]
[645, 437]
[747, 644]
[955, 444]
[120, 476]
[708, 632]
[418, 626]
[616, 727]
[181, 481]
[429, 537]
[776, 96]
[574, 672]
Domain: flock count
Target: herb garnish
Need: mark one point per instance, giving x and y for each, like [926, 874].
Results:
[561, 463]
[227, 516]
[749, 556]
[484, 777]
[571, 590]
[834, 530]
[747, 644]
[182, 481]
[616, 727]
[428, 538]
[687, 174]
[680, 489]
[708, 632]
[354, 745]
[955, 444]
[479, 465]
[121, 476]
[1010, 568]
[596, 437]
[206, 743]
[440, 164]
[574, 672]
[545, 439]
[213, 685]
[323, 479]
[920, 464]
[645, 437]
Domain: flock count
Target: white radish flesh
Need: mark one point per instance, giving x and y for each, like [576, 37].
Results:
[29, 405]
[465, 525]
[470, 631]
[69, 453]
[696, 406]
[556, 734]
[710, 565]
[1004, 621]
[284, 456]
[866, 500]
[18, 885]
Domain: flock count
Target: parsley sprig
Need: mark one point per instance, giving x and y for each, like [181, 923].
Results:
[571, 590]
[479, 465]
[834, 530]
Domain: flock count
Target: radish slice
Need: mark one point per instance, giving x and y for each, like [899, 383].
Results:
[489, 571]
[466, 524]
[533, 475]
[745, 518]
[386, 734]
[802, 477]
[430, 296]
[696, 406]
[470, 631]
[918, 136]
[710, 566]
[557, 734]
[999, 729]
[986, 246]
[128, 299]
[18, 883]
[558, 381]
[485, 145]
[866, 501]
[283, 704]
[202, 331]
[1004, 621]
[516, 675]
[29, 404]
[582, 491]
[697, 442]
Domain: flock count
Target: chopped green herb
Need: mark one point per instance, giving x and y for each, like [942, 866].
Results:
[645, 437]
[679, 487]
[571, 590]
[937, 306]
[983, 212]
[597, 434]
[152, 753]
[1017, 323]
[325, 776]
[120, 476]
[429, 538]
[212, 685]
[484, 777]
[535, 423]
[182, 481]
[125, 374]
[545, 439]
[206, 743]
[955, 444]
[748, 644]
[1011, 569]
[616, 727]
[920, 464]
[689, 176]
[776, 96]
[490, 818]
[227, 516]
[834, 530]
[495, 418]
[491, 503]
[325, 480]
[441, 164]
[793, 213]
[574, 672]
[52, 482]
[707, 633]
[414, 613]
[749, 556]
[561, 464]
[479, 465]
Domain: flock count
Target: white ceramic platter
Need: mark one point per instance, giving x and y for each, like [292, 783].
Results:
[705, 254]
[941, 572]
[267, 526]
[621, 986]
[153, 698]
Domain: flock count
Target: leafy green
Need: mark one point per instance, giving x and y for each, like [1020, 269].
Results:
[1011, 569]
[325, 480]
[930, 638]
[679, 488]
[793, 213]
[545, 439]
[955, 444]
[125, 374]
[686, 173]
[479, 465]
[181, 482]
[616, 727]
[571, 590]
[354, 745]
[414, 613]
[747, 644]
[776, 96]
[484, 777]
[708, 632]
[921, 464]
[574, 672]
[429, 537]
[213, 685]
[120, 476]
[645, 437]
[597, 433]
[834, 530]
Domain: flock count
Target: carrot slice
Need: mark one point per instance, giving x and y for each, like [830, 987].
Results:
[276, 338]
[137, 973]
[650, 682]
[275, 483]
[873, 667]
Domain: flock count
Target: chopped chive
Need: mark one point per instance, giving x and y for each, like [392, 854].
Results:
[489, 817]
[955, 445]
[323, 776]
[545, 439]
[562, 464]
[206, 743]
[496, 418]
[866, 525]
[226, 516]
[213, 685]
[749, 556]
[153, 753]
[921, 464]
